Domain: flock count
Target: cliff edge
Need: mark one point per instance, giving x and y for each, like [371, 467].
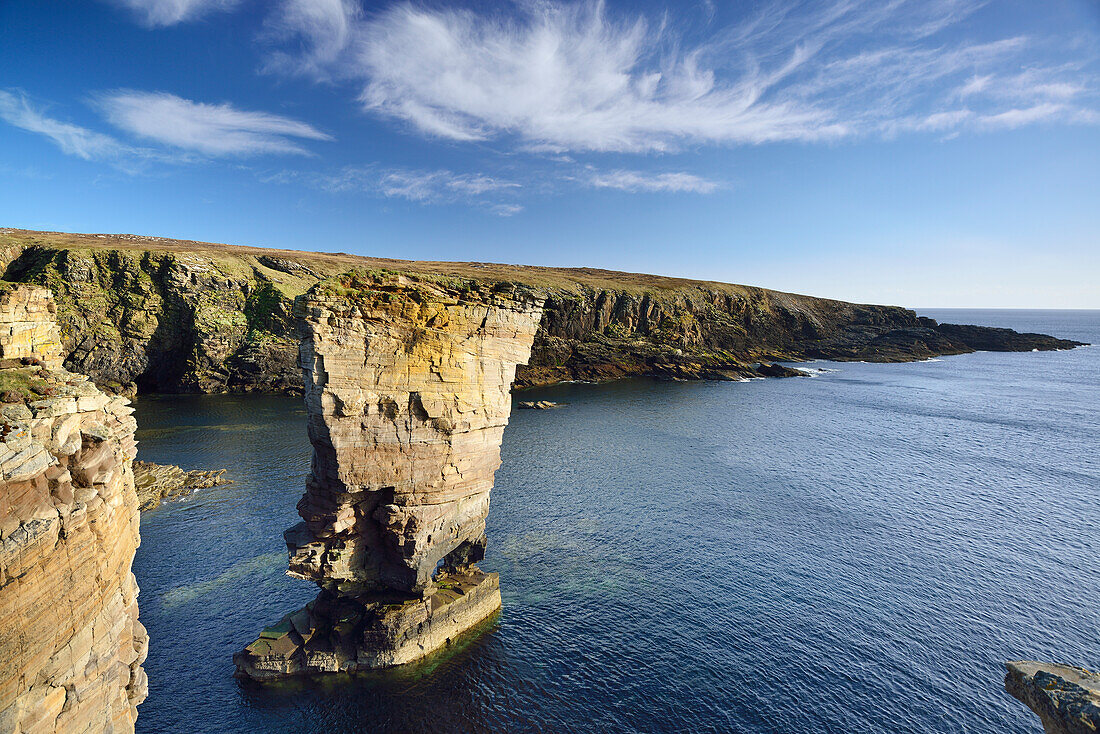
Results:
[70, 640]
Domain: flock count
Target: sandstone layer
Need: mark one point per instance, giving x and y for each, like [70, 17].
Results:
[165, 315]
[71, 641]
[407, 385]
[1066, 698]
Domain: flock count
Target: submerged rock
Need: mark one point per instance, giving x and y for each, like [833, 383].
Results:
[407, 388]
[777, 370]
[158, 482]
[538, 405]
[1066, 698]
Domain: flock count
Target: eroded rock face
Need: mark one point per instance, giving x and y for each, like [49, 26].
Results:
[70, 638]
[28, 327]
[408, 391]
[1066, 698]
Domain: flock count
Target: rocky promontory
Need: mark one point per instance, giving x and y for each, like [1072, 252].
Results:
[70, 638]
[407, 388]
[1066, 698]
[160, 315]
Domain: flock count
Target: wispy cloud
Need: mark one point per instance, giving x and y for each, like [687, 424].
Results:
[417, 185]
[635, 181]
[320, 31]
[431, 186]
[558, 77]
[209, 129]
[158, 13]
[16, 109]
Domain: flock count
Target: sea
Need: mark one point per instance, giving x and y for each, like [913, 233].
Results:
[857, 551]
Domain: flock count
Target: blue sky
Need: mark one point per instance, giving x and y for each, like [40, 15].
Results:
[919, 152]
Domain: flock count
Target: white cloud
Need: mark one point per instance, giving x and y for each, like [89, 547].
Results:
[636, 181]
[17, 110]
[422, 186]
[157, 13]
[320, 29]
[974, 85]
[566, 77]
[210, 129]
[1018, 117]
[506, 210]
[557, 77]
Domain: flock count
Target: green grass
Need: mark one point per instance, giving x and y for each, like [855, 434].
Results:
[23, 382]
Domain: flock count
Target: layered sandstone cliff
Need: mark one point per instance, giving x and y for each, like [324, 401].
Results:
[70, 638]
[1066, 698]
[170, 316]
[407, 387]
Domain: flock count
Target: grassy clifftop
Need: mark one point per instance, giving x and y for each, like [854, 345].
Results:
[241, 258]
[176, 315]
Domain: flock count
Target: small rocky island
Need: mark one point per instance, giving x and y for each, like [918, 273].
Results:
[156, 483]
[408, 391]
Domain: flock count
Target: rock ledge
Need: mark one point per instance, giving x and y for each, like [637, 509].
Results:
[1066, 698]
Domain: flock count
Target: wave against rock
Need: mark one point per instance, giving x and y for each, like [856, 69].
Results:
[407, 386]
[70, 640]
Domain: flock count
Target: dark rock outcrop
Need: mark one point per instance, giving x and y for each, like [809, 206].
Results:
[1066, 698]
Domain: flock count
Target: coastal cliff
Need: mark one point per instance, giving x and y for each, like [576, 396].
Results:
[407, 386]
[70, 639]
[159, 315]
[1066, 698]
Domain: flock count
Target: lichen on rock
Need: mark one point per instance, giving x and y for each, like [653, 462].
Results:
[408, 392]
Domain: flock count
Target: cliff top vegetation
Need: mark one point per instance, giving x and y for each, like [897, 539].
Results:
[306, 268]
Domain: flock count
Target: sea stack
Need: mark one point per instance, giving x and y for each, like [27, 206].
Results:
[1066, 698]
[70, 638]
[407, 385]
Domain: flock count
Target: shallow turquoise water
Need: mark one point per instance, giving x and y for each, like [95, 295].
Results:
[856, 552]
